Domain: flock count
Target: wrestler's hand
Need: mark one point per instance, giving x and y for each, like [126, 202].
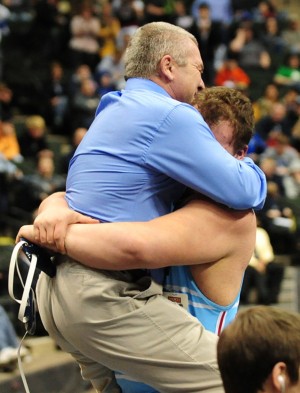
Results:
[27, 232]
[51, 225]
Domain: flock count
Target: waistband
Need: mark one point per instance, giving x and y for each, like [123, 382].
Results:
[122, 275]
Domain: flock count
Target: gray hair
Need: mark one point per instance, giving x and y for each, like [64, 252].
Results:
[150, 43]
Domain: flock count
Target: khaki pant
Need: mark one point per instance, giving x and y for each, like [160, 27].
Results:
[108, 324]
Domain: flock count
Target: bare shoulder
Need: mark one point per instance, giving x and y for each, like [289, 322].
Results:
[203, 203]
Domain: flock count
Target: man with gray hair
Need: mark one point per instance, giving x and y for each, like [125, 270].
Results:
[146, 145]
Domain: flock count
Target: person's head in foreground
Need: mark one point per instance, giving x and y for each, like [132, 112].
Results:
[260, 352]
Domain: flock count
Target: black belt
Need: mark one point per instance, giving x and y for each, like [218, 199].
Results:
[126, 275]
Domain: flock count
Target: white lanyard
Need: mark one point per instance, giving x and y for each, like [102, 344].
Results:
[27, 287]
[27, 303]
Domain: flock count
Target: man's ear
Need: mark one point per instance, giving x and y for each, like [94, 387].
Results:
[241, 153]
[166, 68]
[279, 376]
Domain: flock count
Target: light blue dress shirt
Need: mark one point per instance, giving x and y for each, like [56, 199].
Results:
[141, 152]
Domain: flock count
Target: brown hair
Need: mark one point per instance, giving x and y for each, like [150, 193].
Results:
[253, 343]
[224, 103]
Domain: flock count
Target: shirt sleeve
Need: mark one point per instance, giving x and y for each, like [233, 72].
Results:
[185, 149]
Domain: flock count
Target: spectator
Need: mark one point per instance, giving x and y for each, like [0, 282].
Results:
[9, 173]
[209, 36]
[276, 122]
[59, 99]
[6, 102]
[115, 65]
[291, 33]
[48, 28]
[78, 135]
[296, 135]
[291, 100]
[288, 74]
[269, 167]
[85, 103]
[109, 31]
[44, 182]
[81, 73]
[181, 16]
[263, 274]
[291, 182]
[260, 352]
[105, 82]
[243, 8]
[9, 343]
[273, 41]
[9, 144]
[263, 11]
[263, 104]
[20, 10]
[282, 152]
[33, 140]
[252, 55]
[256, 146]
[221, 10]
[249, 49]
[157, 10]
[232, 75]
[84, 41]
[130, 13]
[4, 29]
[279, 220]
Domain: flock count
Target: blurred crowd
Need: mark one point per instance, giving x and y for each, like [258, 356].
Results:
[57, 58]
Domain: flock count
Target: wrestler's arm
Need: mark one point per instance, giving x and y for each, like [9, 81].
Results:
[200, 232]
[48, 231]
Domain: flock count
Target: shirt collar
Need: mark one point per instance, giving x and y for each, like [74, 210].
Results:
[145, 84]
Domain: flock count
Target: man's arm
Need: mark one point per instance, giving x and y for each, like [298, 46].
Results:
[198, 160]
[200, 232]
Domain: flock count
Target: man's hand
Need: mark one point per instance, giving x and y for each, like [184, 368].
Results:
[51, 225]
